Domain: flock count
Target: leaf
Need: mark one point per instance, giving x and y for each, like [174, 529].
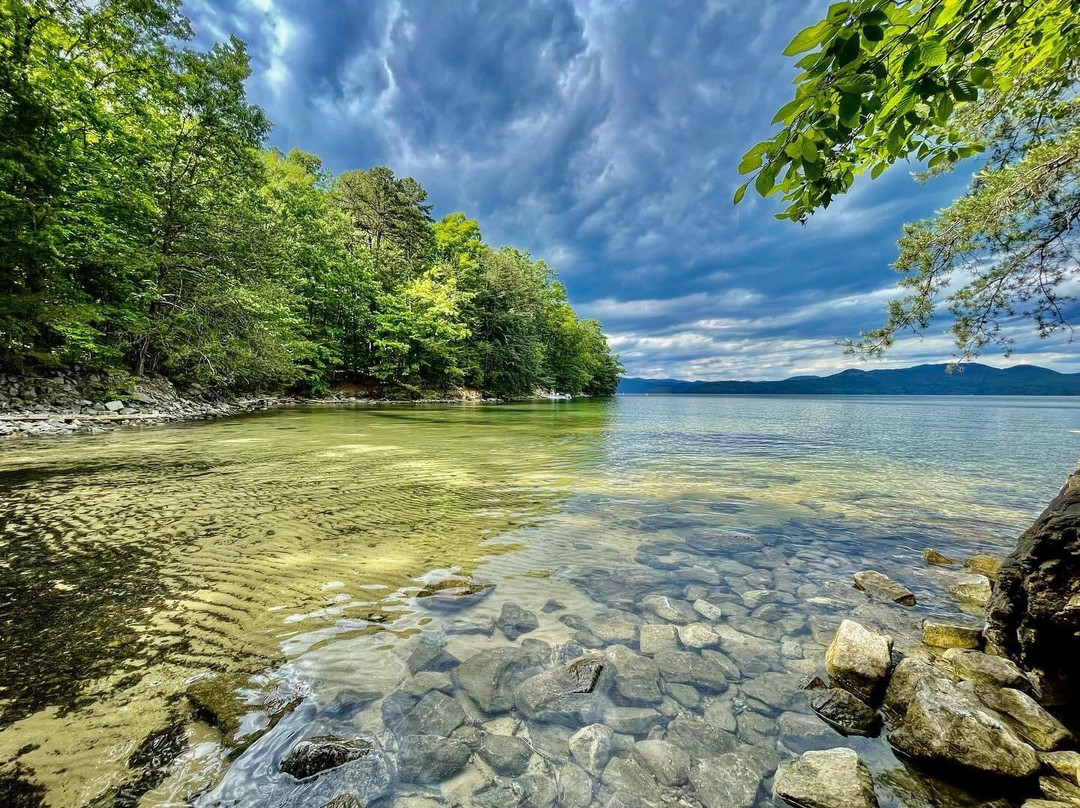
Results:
[808, 38]
[858, 83]
[982, 77]
[793, 150]
[740, 192]
[878, 170]
[873, 33]
[911, 61]
[791, 109]
[809, 151]
[932, 53]
[849, 109]
[838, 12]
[766, 179]
[873, 17]
[963, 90]
[849, 50]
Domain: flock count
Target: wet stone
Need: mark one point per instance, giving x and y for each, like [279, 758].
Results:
[430, 655]
[698, 635]
[728, 781]
[426, 681]
[833, 778]
[315, 755]
[686, 695]
[1024, 715]
[905, 679]
[882, 587]
[976, 666]
[1066, 764]
[776, 690]
[637, 678]
[943, 633]
[575, 787]
[803, 733]
[615, 630]
[983, 564]
[970, 588]
[591, 747]
[657, 639]
[505, 754]
[845, 712]
[636, 721]
[631, 784]
[664, 761]
[552, 606]
[428, 759]
[858, 660]
[563, 694]
[537, 790]
[488, 677]
[513, 621]
[669, 609]
[700, 739]
[932, 556]
[1060, 789]
[709, 611]
[683, 667]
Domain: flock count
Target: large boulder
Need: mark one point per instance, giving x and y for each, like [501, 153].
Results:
[858, 660]
[1034, 614]
[947, 724]
[832, 778]
[1021, 712]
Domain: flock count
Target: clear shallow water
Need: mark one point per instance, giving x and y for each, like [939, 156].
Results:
[289, 555]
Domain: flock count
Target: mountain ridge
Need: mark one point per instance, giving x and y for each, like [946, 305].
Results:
[926, 379]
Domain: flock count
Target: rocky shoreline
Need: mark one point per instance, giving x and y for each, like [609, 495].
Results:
[67, 403]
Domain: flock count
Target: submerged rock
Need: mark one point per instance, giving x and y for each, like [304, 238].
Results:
[669, 764]
[505, 754]
[845, 712]
[637, 678]
[881, 587]
[428, 759]
[488, 677]
[858, 660]
[730, 780]
[683, 667]
[575, 787]
[947, 724]
[315, 755]
[833, 778]
[932, 556]
[670, 609]
[657, 639]
[562, 694]
[513, 621]
[591, 747]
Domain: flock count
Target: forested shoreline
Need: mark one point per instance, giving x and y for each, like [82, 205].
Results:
[147, 228]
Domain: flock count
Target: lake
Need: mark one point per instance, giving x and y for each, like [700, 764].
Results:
[180, 606]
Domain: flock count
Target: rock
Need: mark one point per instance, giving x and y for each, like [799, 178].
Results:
[632, 786]
[1025, 716]
[976, 666]
[932, 556]
[882, 587]
[636, 721]
[562, 694]
[708, 610]
[698, 635]
[488, 677]
[514, 621]
[426, 681]
[591, 747]
[946, 724]
[615, 630]
[637, 678]
[1060, 789]
[699, 738]
[686, 695]
[314, 755]
[670, 609]
[427, 759]
[845, 712]
[832, 778]
[114, 406]
[143, 398]
[669, 764]
[552, 606]
[803, 733]
[1033, 616]
[1067, 764]
[429, 655]
[942, 633]
[344, 801]
[435, 714]
[538, 791]
[505, 754]
[1047, 804]
[657, 639]
[728, 781]
[905, 679]
[683, 667]
[575, 787]
[983, 564]
[970, 588]
[858, 660]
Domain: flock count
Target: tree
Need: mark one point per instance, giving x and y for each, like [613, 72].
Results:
[392, 221]
[940, 81]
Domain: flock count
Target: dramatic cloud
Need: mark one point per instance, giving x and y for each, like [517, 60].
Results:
[603, 136]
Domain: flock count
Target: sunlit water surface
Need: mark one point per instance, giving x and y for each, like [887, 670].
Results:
[290, 555]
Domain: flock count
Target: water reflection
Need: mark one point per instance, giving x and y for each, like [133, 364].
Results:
[185, 601]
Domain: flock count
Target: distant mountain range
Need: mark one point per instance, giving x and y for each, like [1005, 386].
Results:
[921, 380]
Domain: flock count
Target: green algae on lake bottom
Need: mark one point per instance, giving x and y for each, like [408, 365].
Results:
[300, 556]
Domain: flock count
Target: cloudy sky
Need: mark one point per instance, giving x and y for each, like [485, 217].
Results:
[603, 135]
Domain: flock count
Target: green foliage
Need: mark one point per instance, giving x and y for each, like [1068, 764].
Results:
[883, 78]
[144, 227]
[938, 81]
